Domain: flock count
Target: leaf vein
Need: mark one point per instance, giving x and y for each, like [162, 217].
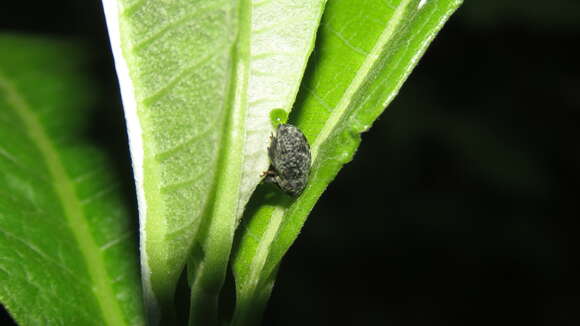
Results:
[127, 235]
[181, 74]
[44, 256]
[173, 186]
[110, 188]
[159, 32]
[190, 141]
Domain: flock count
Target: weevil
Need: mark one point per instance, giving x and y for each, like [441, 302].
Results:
[289, 154]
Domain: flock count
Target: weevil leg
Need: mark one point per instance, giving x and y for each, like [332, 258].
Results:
[268, 173]
[269, 176]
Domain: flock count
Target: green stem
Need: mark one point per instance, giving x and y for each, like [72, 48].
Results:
[250, 308]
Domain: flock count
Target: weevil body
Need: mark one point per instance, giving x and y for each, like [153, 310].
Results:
[289, 160]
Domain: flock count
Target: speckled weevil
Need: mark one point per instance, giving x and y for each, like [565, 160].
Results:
[289, 160]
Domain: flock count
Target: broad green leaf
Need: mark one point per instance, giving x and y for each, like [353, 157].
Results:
[365, 50]
[174, 63]
[67, 250]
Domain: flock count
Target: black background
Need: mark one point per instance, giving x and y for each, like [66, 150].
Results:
[461, 205]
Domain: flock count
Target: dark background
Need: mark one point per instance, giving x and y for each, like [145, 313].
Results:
[460, 207]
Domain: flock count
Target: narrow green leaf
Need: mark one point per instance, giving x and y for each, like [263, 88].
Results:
[174, 62]
[274, 41]
[365, 51]
[67, 251]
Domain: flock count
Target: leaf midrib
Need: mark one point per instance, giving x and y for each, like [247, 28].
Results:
[262, 251]
[71, 204]
[211, 271]
[359, 78]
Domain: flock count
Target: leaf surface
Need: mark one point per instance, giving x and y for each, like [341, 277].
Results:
[282, 38]
[274, 41]
[199, 80]
[174, 63]
[67, 251]
[365, 50]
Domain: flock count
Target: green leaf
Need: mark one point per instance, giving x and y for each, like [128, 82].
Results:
[274, 41]
[67, 251]
[364, 52]
[174, 63]
[199, 79]
[282, 38]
